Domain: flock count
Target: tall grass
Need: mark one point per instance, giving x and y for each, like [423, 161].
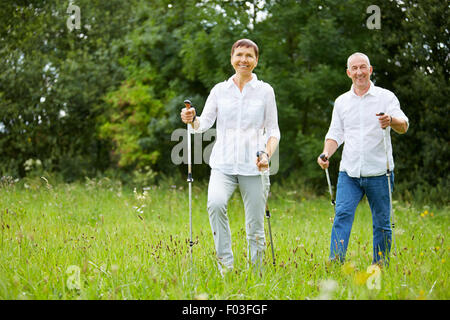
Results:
[97, 240]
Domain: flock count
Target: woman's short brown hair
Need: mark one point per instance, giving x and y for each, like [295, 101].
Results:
[245, 43]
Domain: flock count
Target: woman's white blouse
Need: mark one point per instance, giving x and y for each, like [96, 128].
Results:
[245, 122]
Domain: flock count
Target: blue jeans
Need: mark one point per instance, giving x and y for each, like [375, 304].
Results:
[349, 193]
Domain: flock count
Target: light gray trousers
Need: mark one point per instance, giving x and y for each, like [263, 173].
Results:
[221, 187]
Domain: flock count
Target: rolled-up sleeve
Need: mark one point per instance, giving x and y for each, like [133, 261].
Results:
[394, 109]
[271, 116]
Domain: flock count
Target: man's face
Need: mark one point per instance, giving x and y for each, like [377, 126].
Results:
[360, 72]
[244, 60]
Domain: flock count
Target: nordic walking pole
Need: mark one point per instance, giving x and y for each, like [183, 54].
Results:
[188, 104]
[388, 174]
[333, 202]
[266, 186]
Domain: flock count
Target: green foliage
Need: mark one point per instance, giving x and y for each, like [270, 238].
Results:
[52, 79]
[307, 151]
[105, 99]
[128, 112]
[419, 74]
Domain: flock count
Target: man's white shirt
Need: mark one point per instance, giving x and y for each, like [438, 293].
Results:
[354, 123]
[245, 122]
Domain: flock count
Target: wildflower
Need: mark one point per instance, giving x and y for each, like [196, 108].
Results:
[139, 196]
[421, 295]
[443, 260]
[28, 164]
[360, 278]
[421, 253]
[348, 267]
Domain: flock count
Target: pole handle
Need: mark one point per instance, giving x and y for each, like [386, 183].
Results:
[187, 103]
[260, 153]
[381, 114]
[323, 157]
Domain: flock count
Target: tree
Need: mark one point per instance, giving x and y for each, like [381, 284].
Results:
[51, 81]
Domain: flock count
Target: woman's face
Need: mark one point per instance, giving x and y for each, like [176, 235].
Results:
[244, 60]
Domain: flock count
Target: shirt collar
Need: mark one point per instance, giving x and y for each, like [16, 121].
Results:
[252, 82]
[371, 90]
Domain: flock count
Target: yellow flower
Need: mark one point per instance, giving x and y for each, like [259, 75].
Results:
[421, 253]
[360, 278]
[443, 260]
[348, 267]
[380, 253]
[422, 215]
[421, 295]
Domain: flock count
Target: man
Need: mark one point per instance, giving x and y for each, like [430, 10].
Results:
[359, 116]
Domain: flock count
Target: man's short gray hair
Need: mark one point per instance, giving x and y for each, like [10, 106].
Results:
[358, 54]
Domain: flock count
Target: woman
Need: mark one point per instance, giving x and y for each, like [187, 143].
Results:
[246, 114]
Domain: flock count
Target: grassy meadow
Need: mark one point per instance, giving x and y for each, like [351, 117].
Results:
[99, 240]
